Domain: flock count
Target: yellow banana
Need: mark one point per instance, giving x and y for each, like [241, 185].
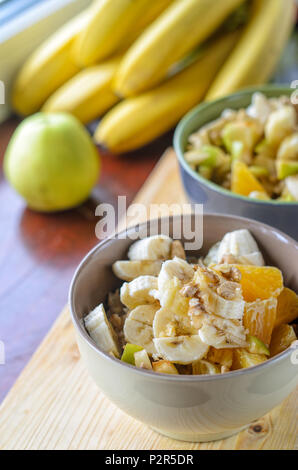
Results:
[88, 94]
[47, 68]
[138, 120]
[153, 10]
[258, 50]
[168, 39]
[108, 25]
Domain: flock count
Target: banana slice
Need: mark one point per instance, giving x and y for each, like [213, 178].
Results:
[129, 270]
[151, 248]
[222, 333]
[173, 275]
[138, 327]
[101, 331]
[241, 246]
[291, 183]
[211, 257]
[140, 291]
[169, 323]
[230, 309]
[181, 349]
[218, 295]
[144, 314]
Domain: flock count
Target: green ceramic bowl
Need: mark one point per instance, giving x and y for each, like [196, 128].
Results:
[282, 215]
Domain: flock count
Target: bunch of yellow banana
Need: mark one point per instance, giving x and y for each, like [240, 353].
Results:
[159, 57]
[139, 119]
[47, 68]
[88, 94]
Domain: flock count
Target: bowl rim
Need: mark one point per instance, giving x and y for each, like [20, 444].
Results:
[149, 373]
[179, 130]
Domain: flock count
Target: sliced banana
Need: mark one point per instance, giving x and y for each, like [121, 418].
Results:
[291, 183]
[169, 323]
[176, 267]
[231, 309]
[222, 333]
[138, 327]
[211, 257]
[173, 275]
[129, 270]
[140, 291]
[101, 331]
[151, 248]
[144, 314]
[219, 296]
[241, 245]
[181, 349]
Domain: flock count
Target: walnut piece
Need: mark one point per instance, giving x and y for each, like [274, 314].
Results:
[114, 303]
[230, 273]
[228, 290]
[189, 290]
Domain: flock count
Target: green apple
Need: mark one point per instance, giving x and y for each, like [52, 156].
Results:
[129, 353]
[240, 137]
[259, 171]
[207, 155]
[52, 162]
[286, 168]
[256, 346]
[288, 149]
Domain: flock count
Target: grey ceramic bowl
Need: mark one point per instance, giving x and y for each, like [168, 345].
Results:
[215, 198]
[192, 408]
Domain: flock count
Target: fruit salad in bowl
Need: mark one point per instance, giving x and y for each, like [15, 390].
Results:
[195, 316]
[237, 155]
[193, 342]
[251, 151]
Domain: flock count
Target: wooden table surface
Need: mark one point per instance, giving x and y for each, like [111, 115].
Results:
[39, 252]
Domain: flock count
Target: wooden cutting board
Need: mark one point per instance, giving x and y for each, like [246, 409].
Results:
[54, 404]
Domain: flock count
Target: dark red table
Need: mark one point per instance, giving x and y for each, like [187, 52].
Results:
[39, 252]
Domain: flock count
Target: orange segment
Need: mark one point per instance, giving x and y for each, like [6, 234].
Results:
[243, 181]
[259, 318]
[282, 338]
[260, 282]
[243, 359]
[287, 307]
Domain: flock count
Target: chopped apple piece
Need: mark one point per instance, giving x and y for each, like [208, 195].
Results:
[164, 367]
[240, 137]
[282, 338]
[256, 346]
[142, 359]
[202, 367]
[286, 168]
[129, 352]
[244, 359]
